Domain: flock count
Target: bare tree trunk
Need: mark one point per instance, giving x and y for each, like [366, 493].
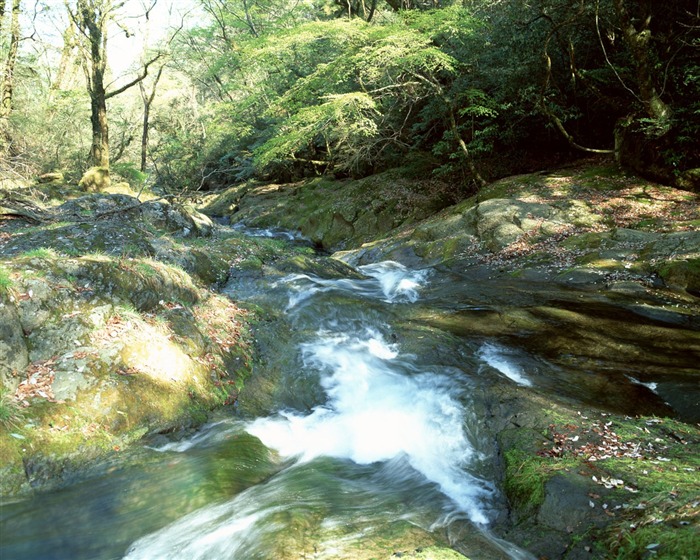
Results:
[8, 76]
[147, 101]
[100, 130]
[66, 56]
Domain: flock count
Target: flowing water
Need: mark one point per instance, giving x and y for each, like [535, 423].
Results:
[367, 438]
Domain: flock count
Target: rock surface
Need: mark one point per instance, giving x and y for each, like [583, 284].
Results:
[109, 332]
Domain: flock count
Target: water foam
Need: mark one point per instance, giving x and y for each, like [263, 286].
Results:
[376, 412]
[499, 358]
[386, 281]
[652, 386]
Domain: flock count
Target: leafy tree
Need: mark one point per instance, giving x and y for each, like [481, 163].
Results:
[595, 70]
[92, 18]
[487, 87]
[352, 110]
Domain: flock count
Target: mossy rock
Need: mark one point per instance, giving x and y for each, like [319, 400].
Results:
[122, 347]
[337, 214]
[95, 179]
[684, 274]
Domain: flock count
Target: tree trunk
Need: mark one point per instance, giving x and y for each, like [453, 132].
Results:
[8, 77]
[637, 39]
[91, 18]
[100, 130]
[66, 57]
[147, 101]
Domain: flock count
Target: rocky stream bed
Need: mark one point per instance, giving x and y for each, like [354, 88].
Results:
[576, 291]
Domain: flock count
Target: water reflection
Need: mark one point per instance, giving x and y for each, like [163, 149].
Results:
[100, 517]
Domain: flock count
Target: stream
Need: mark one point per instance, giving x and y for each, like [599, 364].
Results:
[360, 429]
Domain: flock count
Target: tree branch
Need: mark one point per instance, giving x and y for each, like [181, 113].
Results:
[139, 78]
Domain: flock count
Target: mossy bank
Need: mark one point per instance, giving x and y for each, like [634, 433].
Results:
[110, 330]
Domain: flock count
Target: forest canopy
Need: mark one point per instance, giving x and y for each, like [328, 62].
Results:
[278, 90]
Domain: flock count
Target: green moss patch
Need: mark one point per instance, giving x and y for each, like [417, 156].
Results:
[638, 477]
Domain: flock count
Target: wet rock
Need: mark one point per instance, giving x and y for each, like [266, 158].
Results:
[569, 492]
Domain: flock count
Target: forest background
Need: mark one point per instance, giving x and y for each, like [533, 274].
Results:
[202, 94]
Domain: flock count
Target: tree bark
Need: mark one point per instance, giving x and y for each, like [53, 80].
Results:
[66, 56]
[147, 101]
[92, 18]
[637, 39]
[8, 79]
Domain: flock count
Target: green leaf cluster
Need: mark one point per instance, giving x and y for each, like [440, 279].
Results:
[289, 90]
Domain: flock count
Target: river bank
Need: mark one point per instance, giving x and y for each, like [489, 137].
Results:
[572, 293]
[584, 280]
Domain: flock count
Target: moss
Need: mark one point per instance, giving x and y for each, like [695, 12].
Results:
[95, 179]
[646, 472]
[664, 541]
[11, 414]
[685, 273]
[599, 176]
[585, 241]
[659, 497]
[5, 279]
[41, 253]
[524, 481]
[510, 186]
[434, 553]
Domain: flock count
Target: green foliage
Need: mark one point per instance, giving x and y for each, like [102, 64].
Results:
[129, 171]
[11, 413]
[41, 253]
[349, 96]
[51, 127]
[288, 91]
[343, 123]
[5, 279]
